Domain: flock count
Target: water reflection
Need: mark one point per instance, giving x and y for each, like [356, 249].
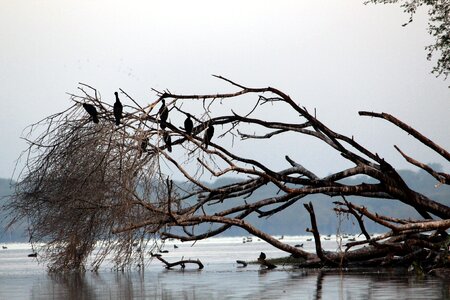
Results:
[64, 286]
[250, 284]
[318, 291]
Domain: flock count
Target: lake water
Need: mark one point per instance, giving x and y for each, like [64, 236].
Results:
[22, 277]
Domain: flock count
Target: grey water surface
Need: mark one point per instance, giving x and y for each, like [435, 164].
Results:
[22, 277]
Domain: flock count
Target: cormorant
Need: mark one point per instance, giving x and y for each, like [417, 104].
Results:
[118, 109]
[188, 125]
[168, 141]
[262, 256]
[208, 134]
[163, 111]
[91, 111]
[144, 144]
[163, 124]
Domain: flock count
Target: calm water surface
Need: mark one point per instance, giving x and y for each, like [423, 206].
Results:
[22, 277]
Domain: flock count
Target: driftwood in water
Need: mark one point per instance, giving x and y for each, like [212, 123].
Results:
[182, 263]
[263, 262]
[243, 263]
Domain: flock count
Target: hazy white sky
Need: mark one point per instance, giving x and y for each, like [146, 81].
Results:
[336, 56]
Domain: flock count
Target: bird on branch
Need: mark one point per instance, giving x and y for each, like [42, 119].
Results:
[144, 144]
[92, 111]
[118, 109]
[208, 134]
[188, 125]
[163, 114]
[167, 139]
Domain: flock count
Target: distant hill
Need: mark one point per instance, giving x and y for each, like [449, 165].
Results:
[295, 219]
[17, 233]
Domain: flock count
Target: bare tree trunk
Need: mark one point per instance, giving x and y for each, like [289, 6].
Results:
[87, 182]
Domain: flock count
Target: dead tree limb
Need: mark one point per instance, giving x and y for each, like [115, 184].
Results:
[86, 182]
[182, 263]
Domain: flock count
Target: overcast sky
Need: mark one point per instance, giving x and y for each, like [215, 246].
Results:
[336, 56]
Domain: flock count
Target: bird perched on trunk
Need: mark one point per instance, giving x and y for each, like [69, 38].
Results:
[208, 134]
[262, 256]
[188, 125]
[118, 109]
[92, 111]
[163, 114]
[167, 139]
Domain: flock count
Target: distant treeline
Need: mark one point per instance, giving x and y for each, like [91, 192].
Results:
[295, 219]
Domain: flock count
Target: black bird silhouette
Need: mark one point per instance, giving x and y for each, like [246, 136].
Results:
[188, 125]
[208, 134]
[144, 144]
[91, 111]
[118, 109]
[163, 114]
[262, 256]
[168, 141]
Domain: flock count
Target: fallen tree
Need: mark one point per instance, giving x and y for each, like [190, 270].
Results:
[99, 173]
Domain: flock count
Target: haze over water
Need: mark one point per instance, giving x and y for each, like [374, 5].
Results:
[22, 277]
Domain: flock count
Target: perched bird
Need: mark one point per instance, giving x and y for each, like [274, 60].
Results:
[262, 256]
[163, 124]
[118, 109]
[208, 134]
[144, 144]
[168, 141]
[188, 125]
[163, 112]
[91, 111]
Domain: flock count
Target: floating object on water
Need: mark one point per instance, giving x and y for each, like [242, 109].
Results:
[262, 255]
[243, 263]
[32, 255]
[262, 260]
[299, 245]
